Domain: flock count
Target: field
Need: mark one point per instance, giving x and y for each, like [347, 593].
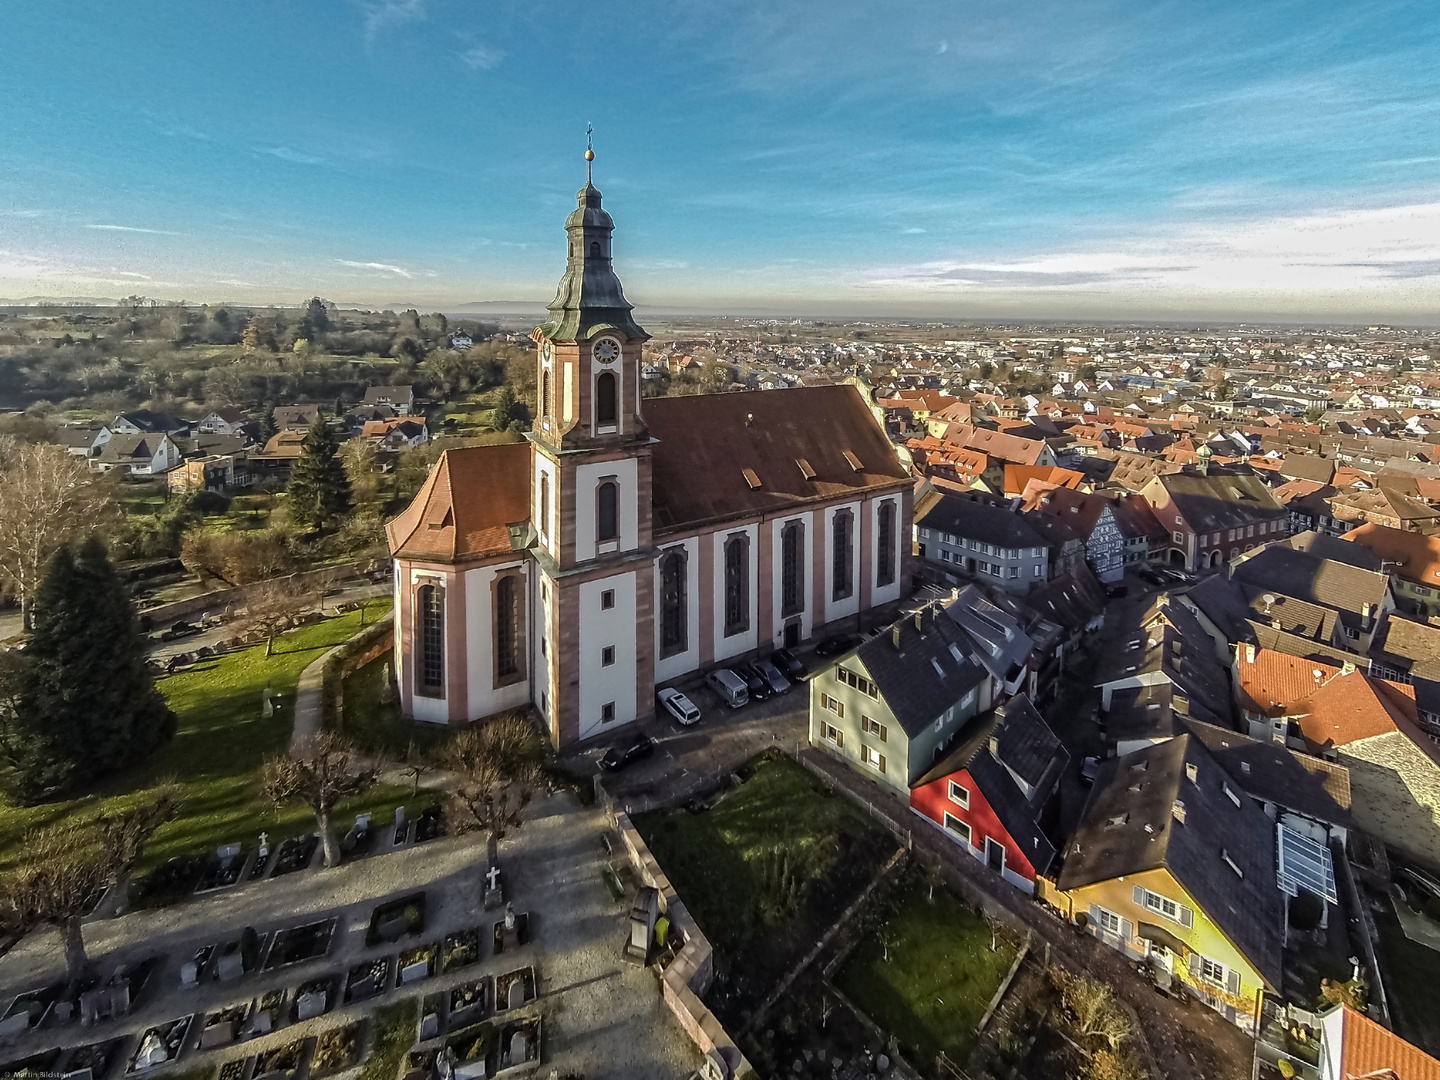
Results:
[217, 751]
[765, 872]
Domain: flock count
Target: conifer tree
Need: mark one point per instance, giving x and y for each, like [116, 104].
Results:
[319, 487]
[86, 704]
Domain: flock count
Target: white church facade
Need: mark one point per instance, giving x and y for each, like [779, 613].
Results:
[622, 548]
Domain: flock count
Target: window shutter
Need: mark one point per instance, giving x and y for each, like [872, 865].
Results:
[1126, 929]
[1139, 896]
[839, 738]
[883, 731]
[1187, 917]
[1095, 917]
[1232, 982]
[882, 762]
[1194, 965]
[840, 709]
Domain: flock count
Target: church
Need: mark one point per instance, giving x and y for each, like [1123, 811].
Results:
[627, 544]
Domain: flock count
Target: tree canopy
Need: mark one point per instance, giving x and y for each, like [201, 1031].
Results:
[319, 487]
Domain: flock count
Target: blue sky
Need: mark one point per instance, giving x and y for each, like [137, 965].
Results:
[962, 158]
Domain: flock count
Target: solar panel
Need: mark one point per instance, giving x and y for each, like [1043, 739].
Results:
[1304, 863]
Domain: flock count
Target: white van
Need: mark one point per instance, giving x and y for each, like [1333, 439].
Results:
[732, 689]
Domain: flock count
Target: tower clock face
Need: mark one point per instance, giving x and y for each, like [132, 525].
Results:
[607, 350]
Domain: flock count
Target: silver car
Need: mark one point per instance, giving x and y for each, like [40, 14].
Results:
[771, 674]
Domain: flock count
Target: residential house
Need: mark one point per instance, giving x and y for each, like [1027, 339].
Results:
[1095, 518]
[1171, 863]
[226, 420]
[1309, 506]
[1413, 562]
[1408, 652]
[892, 706]
[1002, 645]
[998, 792]
[1383, 506]
[295, 417]
[1170, 646]
[1348, 1045]
[966, 534]
[138, 455]
[1214, 515]
[280, 452]
[83, 441]
[399, 398]
[210, 472]
[396, 434]
[146, 422]
[460, 341]
[1304, 592]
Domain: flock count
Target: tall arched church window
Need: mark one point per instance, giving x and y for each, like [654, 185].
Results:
[507, 628]
[672, 604]
[840, 558]
[607, 511]
[737, 585]
[544, 504]
[885, 544]
[792, 590]
[605, 405]
[430, 601]
[545, 394]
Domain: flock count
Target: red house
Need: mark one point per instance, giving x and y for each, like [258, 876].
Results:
[997, 792]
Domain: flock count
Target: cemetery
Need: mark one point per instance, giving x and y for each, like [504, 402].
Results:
[395, 919]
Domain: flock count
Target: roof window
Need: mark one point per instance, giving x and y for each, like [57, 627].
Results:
[853, 460]
[805, 469]
[1117, 821]
[1192, 771]
[751, 479]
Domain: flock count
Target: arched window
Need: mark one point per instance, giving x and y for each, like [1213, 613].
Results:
[430, 602]
[594, 249]
[885, 544]
[672, 604]
[607, 516]
[840, 568]
[545, 394]
[507, 628]
[737, 585]
[545, 504]
[792, 590]
[605, 410]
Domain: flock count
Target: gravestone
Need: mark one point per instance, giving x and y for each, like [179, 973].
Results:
[260, 1023]
[310, 1005]
[189, 975]
[362, 824]
[220, 1034]
[13, 1026]
[105, 1002]
[643, 915]
[494, 897]
[517, 994]
[517, 1047]
[363, 989]
[152, 1052]
[227, 854]
[414, 972]
[509, 918]
[429, 1026]
[267, 705]
[230, 965]
[63, 1011]
[393, 928]
[402, 828]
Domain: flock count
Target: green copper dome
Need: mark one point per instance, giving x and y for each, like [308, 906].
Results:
[589, 297]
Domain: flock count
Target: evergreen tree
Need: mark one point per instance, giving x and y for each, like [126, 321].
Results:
[319, 487]
[86, 703]
[267, 424]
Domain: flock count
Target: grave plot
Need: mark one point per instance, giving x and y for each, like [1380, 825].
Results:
[432, 1017]
[66, 1008]
[300, 943]
[222, 1027]
[168, 883]
[401, 832]
[394, 1036]
[119, 995]
[514, 989]
[470, 1051]
[160, 1044]
[282, 1063]
[93, 1061]
[429, 825]
[336, 1050]
[224, 868]
[420, 1064]
[470, 1001]
[512, 931]
[518, 1045]
[394, 919]
[460, 949]
[28, 1010]
[192, 970]
[240, 956]
[237, 1069]
[266, 1016]
[40, 1064]
[367, 979]
[415, 964]
[295, 854]
[315, 998]
[359, 839]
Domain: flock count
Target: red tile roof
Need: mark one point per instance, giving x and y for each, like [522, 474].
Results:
[1417, 556]
[1371, 1052]
[466, 505]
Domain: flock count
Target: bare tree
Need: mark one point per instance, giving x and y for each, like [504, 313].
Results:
[64, 869]
[47, 496]
[1095, 1009]
[271, 608]
[319, 773]
[499, 766]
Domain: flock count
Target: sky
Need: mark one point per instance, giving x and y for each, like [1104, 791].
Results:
[1111, 159]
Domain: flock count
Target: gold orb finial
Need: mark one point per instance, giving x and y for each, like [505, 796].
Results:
[589, 155]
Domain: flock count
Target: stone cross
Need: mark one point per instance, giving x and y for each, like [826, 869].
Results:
[492, 878]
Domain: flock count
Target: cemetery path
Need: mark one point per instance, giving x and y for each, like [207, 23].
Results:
[310, 700]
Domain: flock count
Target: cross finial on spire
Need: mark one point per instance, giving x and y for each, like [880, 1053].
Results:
[589, 151]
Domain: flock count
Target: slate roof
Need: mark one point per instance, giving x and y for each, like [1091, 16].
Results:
[589, 298]
[474, 503]
[153, 423]
[1412, 556]
[131, 447]
[1140, 789]
[1334, 547]
[975, 518]
[1172, 643]
[1308, 785]
[1308, 467]
[1145, 713]
[85, 437]
[1000, 642]
[1408, 646]
[705, 442]
[906, 675]
[1220, 501]
[1281, 570]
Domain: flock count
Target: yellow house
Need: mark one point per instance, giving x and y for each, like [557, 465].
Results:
[1173, 863]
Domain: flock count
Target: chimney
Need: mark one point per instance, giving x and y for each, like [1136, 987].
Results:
[895, 635]
[749, 418]
[920, 619]
[1180, 703]
[1249, 654]
[1346, 668]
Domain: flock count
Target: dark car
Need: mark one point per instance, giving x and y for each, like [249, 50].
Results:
[773, 675]
[1116, 589]
[789, 663]
[759, 688]
[180, 630]
[836, 646]
[1151, 576]
[617, 757]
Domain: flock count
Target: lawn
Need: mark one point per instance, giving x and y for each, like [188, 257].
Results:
[221, 741]
[928, 973]
[766, 870]
[377, 725]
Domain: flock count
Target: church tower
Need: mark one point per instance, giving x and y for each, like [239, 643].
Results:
[591, 488]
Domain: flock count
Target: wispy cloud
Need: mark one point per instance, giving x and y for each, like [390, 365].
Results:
[481, 57]
[284, 153]
[384, 15]
[381, 268]
[132, 229]
[23, 213]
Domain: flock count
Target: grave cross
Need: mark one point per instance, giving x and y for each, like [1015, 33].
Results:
[492, 878]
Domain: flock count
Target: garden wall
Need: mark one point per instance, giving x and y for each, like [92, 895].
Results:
[375, 641]
[690, 973]
[227, 601]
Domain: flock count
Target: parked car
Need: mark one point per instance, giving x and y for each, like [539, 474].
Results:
[1117, 589]
[836, 646]
[180, 630]
[1178, 577]
[679, 706]
[1089, 770]
[1152, 576]
[729, 687]
[771, 674]
[617, 757]
[789, 663]
[759, 688]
